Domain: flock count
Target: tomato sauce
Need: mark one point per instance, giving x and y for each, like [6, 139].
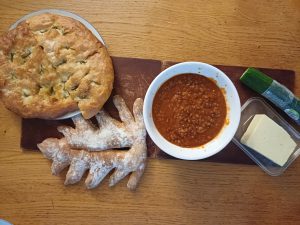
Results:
[189, 110]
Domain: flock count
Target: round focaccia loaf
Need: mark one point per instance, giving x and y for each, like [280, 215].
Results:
[51, 65]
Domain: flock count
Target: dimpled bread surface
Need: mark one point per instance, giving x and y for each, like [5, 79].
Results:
[51, 65]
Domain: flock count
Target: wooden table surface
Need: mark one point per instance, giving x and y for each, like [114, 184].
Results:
[232, 32]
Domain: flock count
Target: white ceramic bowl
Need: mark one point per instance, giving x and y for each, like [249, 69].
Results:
[68, 14]
[228, 130]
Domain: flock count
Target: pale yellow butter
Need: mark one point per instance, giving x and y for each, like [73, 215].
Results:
[269, 139]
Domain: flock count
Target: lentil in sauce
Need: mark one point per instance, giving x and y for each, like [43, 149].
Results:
[189, 110]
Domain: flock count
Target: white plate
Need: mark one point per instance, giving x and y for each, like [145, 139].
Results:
[68, 14]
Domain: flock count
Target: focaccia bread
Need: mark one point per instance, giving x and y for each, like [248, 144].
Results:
[51, 65]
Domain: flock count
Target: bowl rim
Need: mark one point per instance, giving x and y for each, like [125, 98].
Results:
[205, 150]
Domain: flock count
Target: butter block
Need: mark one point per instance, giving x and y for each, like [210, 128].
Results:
[269, 139]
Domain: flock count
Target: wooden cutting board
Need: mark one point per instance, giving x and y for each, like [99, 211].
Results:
[132, 78]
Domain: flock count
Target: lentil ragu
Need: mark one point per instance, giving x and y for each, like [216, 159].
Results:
[189, 110]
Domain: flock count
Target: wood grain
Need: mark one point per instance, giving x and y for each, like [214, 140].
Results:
[233, 32]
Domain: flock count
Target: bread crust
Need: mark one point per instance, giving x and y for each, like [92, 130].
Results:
[51, 65]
